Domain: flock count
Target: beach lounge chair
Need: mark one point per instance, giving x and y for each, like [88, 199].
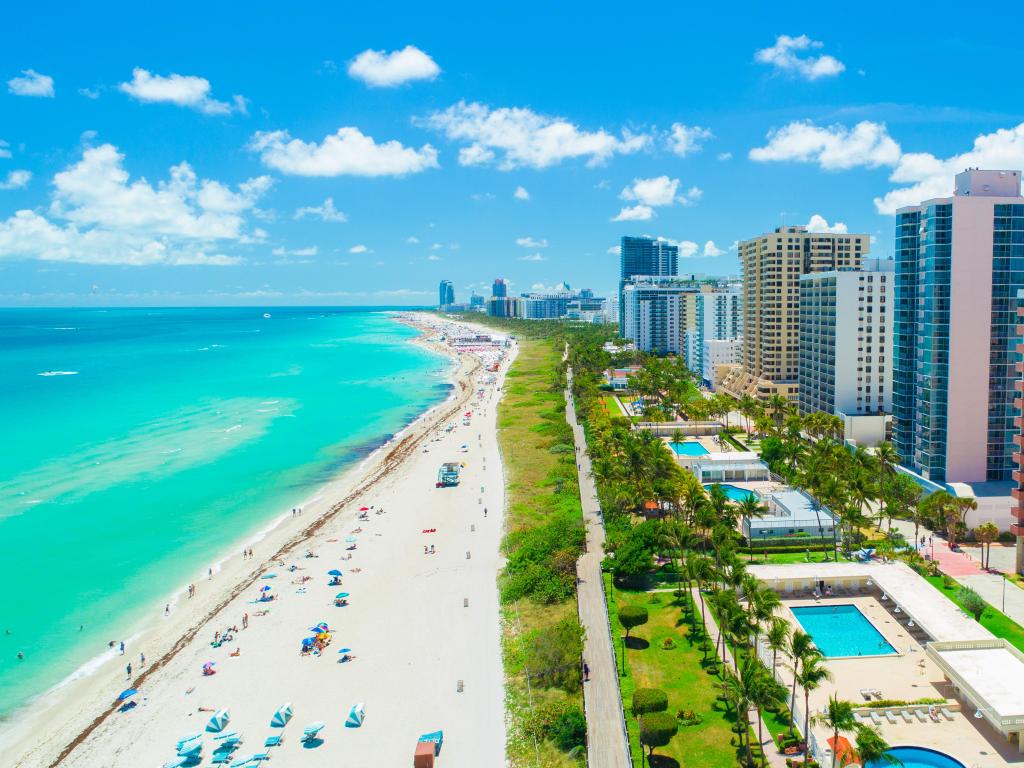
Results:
[225, 736]
[875, 718]
[920, 715]
[890, 716]
[906, 716]
[866, 694]
[222, 758]
[858, 718]
[273, 741]
[311, 731]
[186, 739]
[177, 762]
[946, 713]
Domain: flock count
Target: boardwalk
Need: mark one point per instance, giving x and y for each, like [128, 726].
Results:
[606, 738]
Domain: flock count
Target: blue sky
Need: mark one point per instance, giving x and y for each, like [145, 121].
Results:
[150, 158]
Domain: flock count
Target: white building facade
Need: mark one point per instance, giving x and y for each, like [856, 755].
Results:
[652, 312]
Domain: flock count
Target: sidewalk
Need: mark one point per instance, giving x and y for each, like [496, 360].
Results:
[607, 746]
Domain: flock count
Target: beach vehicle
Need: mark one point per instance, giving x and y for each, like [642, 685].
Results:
[428, 746]
[448, 474]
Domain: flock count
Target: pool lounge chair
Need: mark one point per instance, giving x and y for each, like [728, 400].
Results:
[875, 718]
[890, 716]
[920, 715]
[859, 718]
[906, 716]
[946, 713]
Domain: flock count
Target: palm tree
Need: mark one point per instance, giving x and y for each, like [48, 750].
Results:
[812, 675]
[800, 647]
[737, 691]
[986, 533]
[765, 693]
[838, 716]
[778, 639]
[749, 407]
[778, 407]
[886, 459]
[872, 748]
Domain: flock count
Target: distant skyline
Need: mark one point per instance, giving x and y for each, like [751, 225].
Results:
[358, 155]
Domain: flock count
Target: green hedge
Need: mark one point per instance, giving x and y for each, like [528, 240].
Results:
[816, 547]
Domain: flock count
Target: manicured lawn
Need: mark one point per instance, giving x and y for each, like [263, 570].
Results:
[680, 673]
[999, 624]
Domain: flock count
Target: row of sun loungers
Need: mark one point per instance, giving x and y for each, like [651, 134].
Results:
[893, 716]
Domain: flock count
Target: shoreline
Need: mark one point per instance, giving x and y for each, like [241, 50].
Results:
[90, 692]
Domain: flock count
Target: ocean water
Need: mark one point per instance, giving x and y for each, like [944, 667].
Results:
[139, 446]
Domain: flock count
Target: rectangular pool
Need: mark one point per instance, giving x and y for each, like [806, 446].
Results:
[842, 630]
[689, 448]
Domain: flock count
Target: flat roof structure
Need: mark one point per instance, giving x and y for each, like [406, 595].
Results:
[990, 673]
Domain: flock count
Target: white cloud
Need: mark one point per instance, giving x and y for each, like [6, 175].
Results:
[348, 152]
[532, 257]
[723, 156]
[521, 193]
[5, 149]
[433, 257]
[835, 147]
[711, 250]
[615, 250]
[325, 212]
[412, 239]
[525, 138]
[16, 180]
[819, 223]
[926, 176]
[686, 139]
[634, 213]
[302, 253]
[31, 83]
[687, 249]
[359, 249]
[98, 215]
[482, 196]
[660, 190]
[529, 242]
[89, 93]
[436, 246]
[784, 57]
[182, 90]
[380, 69]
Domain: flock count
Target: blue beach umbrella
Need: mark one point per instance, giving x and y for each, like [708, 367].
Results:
[219, 720]
[350, 539]
[345, 650]
[281, 716]
[334, 572]
[127, 694]
[308, 642]
[340, 595]
[265, 588]
[356, 716]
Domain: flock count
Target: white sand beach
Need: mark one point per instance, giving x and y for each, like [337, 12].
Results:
[423, 629]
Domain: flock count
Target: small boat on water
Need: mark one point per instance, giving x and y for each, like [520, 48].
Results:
[266, 315]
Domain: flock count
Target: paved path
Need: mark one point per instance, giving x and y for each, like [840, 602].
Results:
[607, 746]
[771, 751]
[1001, 594]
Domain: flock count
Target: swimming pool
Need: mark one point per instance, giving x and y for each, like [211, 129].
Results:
[920, 757]
[689, 448]
[842, 630]
[735, 493]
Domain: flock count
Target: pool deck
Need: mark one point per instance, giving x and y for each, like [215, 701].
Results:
[911, 674]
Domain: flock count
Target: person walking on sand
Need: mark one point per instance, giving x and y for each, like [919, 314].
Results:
[122, 647]
[245, 621]
[142, 660]
[209, 573]
[167, 610]
[128, 669]
[586, 673]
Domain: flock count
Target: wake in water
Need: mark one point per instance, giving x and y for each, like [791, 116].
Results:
[58, 373]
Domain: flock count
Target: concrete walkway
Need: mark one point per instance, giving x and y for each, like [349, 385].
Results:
[771, 750]
[607, 745]
[1003, 595]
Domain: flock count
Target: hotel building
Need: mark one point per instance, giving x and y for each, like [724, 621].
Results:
[959, 267]
[643, 256]
[656, 311]
[718, 316]
[772, 266]
[845, 359]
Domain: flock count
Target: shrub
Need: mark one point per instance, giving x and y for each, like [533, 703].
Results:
[553, 655]
[668, 643]
[647, 700]
[657, 730]
[569, 730]
[948, 582]
[631, 616]
[971, 602]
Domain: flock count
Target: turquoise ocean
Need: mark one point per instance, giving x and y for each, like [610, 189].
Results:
[140, 445]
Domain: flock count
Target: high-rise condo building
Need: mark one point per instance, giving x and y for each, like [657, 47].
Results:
[772, 264]
[653, 311]
[505, 306]
[959, 266]
[445, 294]
[643, 256]
[500, 288]
[1017, 509]
[717, 316]
[476, 300]
[846, 328]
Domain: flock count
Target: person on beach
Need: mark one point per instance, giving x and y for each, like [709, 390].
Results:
[128, 669]
[142, 660]
[209, 573]
[122, 647]
[245, 621]
[586, 673]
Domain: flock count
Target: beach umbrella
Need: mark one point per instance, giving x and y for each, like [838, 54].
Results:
[219, 720]
[209, 665]
[340, 595]
[344, 650]
[308, 642]
[281, 716]
[127, 694]
[364, 509]
[265, 588]
[350, 539]
[334, 572]
[356, 716]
